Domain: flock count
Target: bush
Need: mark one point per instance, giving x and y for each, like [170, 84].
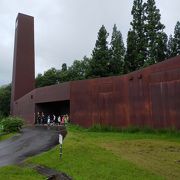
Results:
[11, 124]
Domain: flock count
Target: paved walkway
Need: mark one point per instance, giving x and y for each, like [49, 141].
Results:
[32, 141]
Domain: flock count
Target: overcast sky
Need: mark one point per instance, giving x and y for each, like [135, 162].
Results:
[66, 30]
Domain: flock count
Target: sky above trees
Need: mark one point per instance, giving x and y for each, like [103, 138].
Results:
[67, 30]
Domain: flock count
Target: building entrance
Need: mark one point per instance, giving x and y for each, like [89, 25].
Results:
[57, 108]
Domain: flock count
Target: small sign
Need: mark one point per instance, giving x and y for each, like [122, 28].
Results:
[60, 139]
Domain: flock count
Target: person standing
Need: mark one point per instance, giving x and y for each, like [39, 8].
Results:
[48, 120]
[66, 120]
[59, 120]
[38, 118]
[54, 119]
[42, 118]
[63, 120]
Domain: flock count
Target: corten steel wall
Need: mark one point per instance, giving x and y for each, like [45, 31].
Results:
[148, 97]
[59, 92]
[25, 108]
[23, 64]
[54, 93]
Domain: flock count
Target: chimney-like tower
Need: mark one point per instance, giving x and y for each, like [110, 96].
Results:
[23, 80]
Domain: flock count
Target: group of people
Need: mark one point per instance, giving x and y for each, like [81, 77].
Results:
[51, 119]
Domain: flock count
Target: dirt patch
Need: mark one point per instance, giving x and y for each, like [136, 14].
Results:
[51, 174]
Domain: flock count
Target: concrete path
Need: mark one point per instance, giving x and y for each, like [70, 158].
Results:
[32, 141]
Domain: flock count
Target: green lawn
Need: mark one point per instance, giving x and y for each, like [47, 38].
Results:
[19, 173]
[92, 155]
[107, 155]
[15, 172]
[7, 136]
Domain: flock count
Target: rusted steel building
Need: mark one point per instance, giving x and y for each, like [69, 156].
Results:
[148, 97]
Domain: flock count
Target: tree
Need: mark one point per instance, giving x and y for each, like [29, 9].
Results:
[174, 42]
[177, 39]
[78, 70]
[117, 52]
[138, 32]
[64, 67]
[170, 47]
[99, 65]
[162, 45]
[131, 53]
[155, 37]
[50, 77]
[5, 98]
[39, 80]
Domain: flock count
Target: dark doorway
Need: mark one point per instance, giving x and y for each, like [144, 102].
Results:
[57, 108]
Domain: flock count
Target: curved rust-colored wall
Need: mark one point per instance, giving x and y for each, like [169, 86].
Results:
[148, 97]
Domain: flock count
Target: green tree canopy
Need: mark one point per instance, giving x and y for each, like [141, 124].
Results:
[64, 67]
[5, 98]
[99, 65]
[131, 53]
[177, 39]
[78, 70]
[171, 47]
[117, 52]
[155, 36]
[174, 42]
[138, 29]
[50, 77]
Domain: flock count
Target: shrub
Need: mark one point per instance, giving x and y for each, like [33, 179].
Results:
[11, 124]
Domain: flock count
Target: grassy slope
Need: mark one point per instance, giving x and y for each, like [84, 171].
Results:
[18, 173]
[90, 155]
[6, 136]
[14, 172]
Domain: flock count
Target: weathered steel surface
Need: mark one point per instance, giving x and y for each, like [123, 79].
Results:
[59, 92]
[23, 64]
[50, 99]
[148, 97]
[25, 108]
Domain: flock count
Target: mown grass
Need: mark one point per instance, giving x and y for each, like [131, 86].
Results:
[109, 155]
[15, 172]
[19, 173]
[114, 155]
[6, 136]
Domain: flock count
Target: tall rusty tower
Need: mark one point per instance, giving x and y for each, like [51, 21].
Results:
[23, 80]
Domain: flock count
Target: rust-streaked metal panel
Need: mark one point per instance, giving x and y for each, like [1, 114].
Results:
[59, 92]
[25, 108]
[81, 106]
[23, 65]
[148, 97]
